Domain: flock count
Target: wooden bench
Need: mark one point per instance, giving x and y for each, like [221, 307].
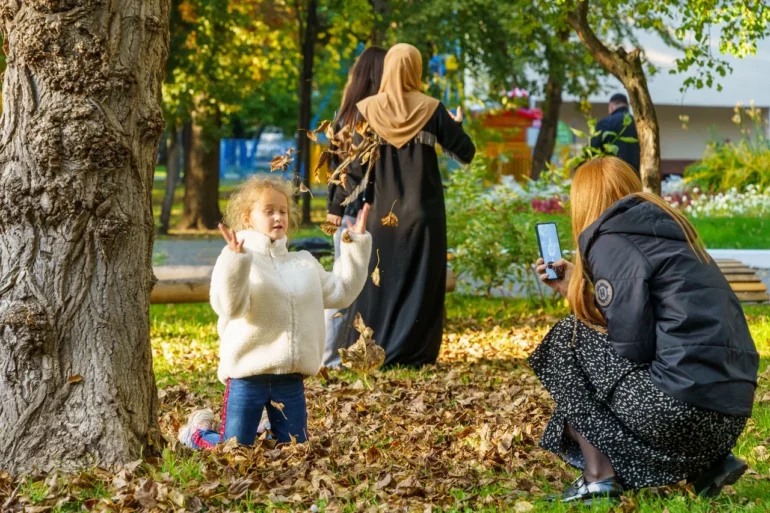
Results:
[744, 281]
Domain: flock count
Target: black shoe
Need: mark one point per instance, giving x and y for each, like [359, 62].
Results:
[581, 491]
[724, 472]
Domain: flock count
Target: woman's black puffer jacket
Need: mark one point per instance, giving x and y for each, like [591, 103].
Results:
[667, 308]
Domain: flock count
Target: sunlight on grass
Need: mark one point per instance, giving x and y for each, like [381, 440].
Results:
[185, 345]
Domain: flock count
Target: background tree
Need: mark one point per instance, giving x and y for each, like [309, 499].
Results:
[333, 30]
[509, 44]
[225, 55]
[736, 24]
[80, 130]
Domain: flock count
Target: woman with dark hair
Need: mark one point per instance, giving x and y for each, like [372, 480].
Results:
[406, 308]
[363, 81]
[654, 374]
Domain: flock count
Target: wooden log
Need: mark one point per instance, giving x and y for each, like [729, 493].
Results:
[748, 287]
[736, 270]
[753, 297]
[193, 290]
[742, 278]
[191, 283]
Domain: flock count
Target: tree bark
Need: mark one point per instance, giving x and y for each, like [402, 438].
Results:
[627, 67]
[381, 11]
[80, 129]
[546, 138]
[309, 37]
[201, 193]
[173, 165]
[186, 150]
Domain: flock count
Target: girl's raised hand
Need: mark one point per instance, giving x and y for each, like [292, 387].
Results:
[360, 226]
[231, 239]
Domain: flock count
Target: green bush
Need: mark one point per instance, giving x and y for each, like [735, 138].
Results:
[728, 165]
[491, 238]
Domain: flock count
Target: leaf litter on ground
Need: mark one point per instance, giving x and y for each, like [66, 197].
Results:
[426, 440]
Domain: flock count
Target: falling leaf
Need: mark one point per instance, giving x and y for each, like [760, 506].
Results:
[282, 162]
[329, 228]
[338, 315]
[279, 407]
[325, 124]
[324, 159]
[312, 136]
[365, 355]
[376, 273]
[303, 188]
[390, 220]
[77, 378]
[346, 238]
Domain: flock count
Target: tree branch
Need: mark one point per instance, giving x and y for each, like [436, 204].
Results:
[578, 20]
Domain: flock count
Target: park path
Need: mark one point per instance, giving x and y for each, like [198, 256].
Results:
[206, 251]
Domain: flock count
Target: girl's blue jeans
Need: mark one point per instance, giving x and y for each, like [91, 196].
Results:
[245, 398]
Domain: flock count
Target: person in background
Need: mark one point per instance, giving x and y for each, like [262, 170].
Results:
[627, 151]
[364, 81]
[654, 374]
[406, 308]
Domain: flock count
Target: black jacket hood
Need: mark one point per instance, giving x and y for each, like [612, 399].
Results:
[632, 216]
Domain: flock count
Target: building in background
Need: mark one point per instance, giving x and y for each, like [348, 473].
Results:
[688, 121]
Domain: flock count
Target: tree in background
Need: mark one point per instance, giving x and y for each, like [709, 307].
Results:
[691, 25]
[227, 58]
[509, 44]
[331, 30]
[81, 124]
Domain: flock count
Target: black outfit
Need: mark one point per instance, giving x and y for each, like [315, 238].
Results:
[627, 151]
[406, 311]
[667, 391]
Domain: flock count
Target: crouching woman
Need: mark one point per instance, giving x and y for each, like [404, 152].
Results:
[654, 374]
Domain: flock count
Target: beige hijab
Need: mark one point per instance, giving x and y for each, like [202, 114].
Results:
[399, 111]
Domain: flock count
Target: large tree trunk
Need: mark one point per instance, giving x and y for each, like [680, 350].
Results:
[173, 165]
[546, 138]
[201, 193]
[627, 67]
[80, 129]
[309, 37]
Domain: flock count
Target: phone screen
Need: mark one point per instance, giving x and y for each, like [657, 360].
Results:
[550, 249]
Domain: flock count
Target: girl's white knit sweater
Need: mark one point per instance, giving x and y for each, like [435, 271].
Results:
[271, 304]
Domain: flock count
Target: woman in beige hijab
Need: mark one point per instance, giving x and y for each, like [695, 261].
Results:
[406, 310]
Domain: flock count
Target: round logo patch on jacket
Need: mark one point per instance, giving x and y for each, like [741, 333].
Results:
[603, 291]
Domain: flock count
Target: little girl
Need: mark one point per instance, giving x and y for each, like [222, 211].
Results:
[271, 304]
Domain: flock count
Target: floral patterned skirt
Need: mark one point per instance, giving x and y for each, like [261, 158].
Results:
[651, 438]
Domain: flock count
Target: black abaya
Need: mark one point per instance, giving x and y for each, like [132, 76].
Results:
[406, 311]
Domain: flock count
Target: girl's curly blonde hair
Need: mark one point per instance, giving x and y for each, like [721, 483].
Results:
[252, 191]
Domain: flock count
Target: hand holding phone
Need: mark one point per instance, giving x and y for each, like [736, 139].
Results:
[551, 268]
[550, 249]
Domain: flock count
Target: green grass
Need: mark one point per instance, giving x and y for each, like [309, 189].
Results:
[734, 232]
[185, 344]
[717, 233]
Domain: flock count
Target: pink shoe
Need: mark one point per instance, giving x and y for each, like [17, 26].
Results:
[198, 420]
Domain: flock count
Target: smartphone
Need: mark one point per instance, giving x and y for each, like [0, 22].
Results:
[550, 249]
